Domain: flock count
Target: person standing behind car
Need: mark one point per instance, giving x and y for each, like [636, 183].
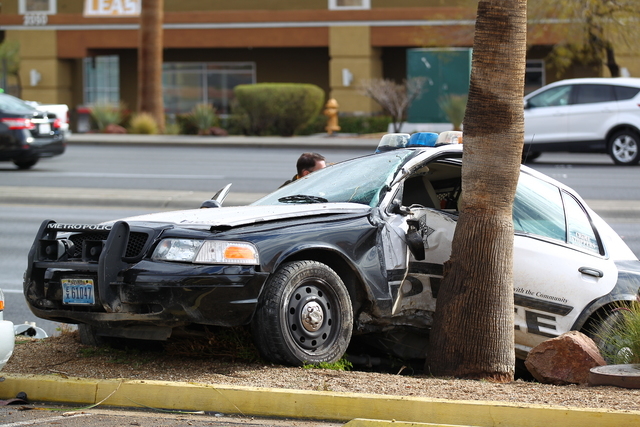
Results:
[307, 163]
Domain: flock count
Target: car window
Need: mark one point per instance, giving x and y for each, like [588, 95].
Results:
[11, 104]
[589, 94]
[581, 232]
[537, 209]
[363, 180]
[624, 92]
[551, 98]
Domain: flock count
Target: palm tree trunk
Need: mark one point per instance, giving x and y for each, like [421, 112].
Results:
[150, 60]
[472, 334]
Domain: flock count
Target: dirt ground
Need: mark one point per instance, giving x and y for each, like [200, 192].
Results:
[64, 355]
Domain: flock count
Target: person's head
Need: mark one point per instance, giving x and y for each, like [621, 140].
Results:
[309, 162]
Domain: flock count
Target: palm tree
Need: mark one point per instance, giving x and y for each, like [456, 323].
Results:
[150, 60]
[10, 65]
[472, 334]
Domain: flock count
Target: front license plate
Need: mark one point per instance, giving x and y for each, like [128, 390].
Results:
[44, 128]
[78, 291]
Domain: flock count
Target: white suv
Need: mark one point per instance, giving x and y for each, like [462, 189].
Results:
[600, 115]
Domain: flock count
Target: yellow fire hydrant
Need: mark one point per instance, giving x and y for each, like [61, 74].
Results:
[331, 111]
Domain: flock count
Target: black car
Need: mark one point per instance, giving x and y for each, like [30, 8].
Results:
[27, 134]
[355, 249]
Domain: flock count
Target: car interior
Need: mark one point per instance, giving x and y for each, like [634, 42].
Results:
[436, 186]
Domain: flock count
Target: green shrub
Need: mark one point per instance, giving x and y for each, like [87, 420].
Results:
[364, 124]
[316, 125]
[186, 124]
[454, 107]
[143, 123]
[278, 108]
[204, 117]
[172, 129]
[341, 365]
[618, 335]
[105, 114]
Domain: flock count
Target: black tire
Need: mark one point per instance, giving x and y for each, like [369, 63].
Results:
[624, 147]
[601, 331]
[25, 164]
[88, 336]
[283, 335]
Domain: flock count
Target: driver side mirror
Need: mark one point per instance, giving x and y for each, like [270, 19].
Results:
[414, 240]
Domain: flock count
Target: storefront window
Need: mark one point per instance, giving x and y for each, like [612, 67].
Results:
[188, 84]
[102, 80]
[349, 4]
[534, 76]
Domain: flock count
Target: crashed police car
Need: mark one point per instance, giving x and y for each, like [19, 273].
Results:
[350, 251]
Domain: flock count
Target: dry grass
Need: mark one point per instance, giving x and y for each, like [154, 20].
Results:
[65, 356]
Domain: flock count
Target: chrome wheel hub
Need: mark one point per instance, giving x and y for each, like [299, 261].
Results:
[312, 316]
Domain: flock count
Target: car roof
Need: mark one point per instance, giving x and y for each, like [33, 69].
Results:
[617, 81]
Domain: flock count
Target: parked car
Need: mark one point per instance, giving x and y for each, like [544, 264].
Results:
[598, 115]
[61, 112]
[7, 337]
[27, 134]
[357, 248]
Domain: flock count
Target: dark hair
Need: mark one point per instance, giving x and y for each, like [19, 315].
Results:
[308, 161]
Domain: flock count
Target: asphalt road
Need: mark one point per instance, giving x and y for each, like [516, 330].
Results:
[108, 417]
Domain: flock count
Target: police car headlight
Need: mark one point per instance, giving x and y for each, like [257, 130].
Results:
[184, 250]
[206, 252]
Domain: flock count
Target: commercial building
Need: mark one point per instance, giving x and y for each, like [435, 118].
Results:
[80, 52]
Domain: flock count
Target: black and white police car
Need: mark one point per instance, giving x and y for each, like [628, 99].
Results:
[353, 250]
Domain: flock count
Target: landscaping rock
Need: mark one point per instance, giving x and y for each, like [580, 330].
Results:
[566, 359]
[218, 131]
[111, 128]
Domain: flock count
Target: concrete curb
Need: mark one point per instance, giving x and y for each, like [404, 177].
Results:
[361, 410]
[315, 141]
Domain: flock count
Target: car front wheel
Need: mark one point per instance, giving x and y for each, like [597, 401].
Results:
[304, 315]
[25, 164]
[624, 147]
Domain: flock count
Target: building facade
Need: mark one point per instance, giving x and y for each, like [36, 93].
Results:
[81, 52]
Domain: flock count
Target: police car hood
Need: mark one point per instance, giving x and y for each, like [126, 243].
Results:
[242, 215]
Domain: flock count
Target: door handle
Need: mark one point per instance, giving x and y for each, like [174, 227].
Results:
[591, 271]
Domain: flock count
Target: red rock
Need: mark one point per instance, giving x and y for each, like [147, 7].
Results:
[566, 359]
[112, 128]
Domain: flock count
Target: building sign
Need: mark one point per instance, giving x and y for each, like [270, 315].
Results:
[37, 6]
[35, 12]
[113, 8]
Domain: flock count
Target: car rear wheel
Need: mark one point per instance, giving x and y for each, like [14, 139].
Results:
[624, 147]
[603, 334]
[304, 315]
[25, 164]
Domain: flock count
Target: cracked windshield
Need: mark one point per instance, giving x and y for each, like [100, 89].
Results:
[362, 180]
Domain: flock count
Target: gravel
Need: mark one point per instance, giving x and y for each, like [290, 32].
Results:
[65, 356]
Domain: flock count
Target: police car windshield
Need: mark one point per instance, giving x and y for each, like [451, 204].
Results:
[363, 180]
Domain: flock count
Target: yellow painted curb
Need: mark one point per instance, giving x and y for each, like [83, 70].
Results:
[266, 402]
[361, 422]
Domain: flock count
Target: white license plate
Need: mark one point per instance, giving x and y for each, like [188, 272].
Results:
[78, 291]
[44, 128]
